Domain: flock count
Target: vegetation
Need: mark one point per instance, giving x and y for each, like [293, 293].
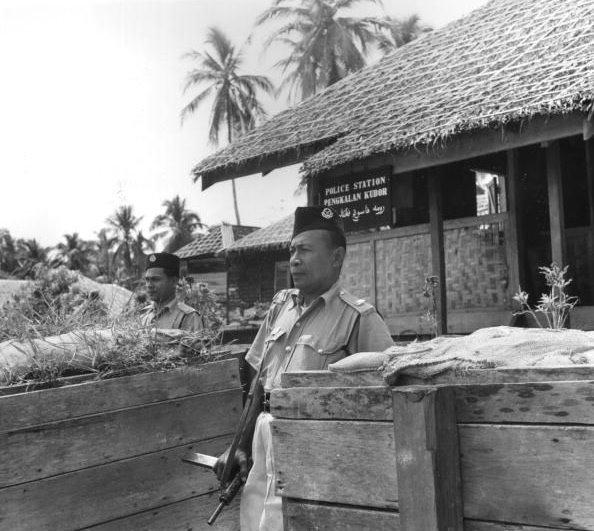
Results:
[235, 105]
[95, 343]
[555, 305]
[177, 223]
[324, 43]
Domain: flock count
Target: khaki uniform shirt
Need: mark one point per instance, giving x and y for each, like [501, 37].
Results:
[174, 314]
[294, 338]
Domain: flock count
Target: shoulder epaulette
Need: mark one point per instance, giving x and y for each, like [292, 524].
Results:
[361, 305]
[283, 295]
[185, 308]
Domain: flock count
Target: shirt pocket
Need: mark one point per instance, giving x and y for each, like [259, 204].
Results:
[311, 354]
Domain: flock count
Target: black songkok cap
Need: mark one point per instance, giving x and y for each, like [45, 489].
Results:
[167, 261]
[318, 218]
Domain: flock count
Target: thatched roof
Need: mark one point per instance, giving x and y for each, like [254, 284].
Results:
[508, 61]
[271, 238]
[217, 239]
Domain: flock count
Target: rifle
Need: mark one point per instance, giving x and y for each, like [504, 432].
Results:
[242, 437]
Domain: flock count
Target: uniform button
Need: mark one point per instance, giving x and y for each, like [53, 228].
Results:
[288, 349]
[297, 323]
[320, 351]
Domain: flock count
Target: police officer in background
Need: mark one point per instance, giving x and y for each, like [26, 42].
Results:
[306, 328]
[166, 310]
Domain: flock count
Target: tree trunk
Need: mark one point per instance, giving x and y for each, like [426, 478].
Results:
[230, 138]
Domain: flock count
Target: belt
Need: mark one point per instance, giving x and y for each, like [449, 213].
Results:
[266, 403]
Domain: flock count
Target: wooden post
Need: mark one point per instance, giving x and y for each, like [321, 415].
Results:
[313, 191]
[514, 237]
[427, 458]
[556, 211]
[437, 249]
[589, 147]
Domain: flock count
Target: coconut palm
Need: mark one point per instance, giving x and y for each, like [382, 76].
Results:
[235, 106]
[399, 32]
[140, 247]
[124, 225]
[179, 224]
[74, 252]
[325, 45]
[8, 252]
[104, 259]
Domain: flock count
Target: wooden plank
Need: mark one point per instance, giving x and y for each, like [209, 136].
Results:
[475, 525]
[556, 210]
[64, 446]
[181, 516]
[427, 458]
[336, 461]
[374, 378]
[331, 379]
[437, 250]
[514, 236]
[334, 403]
[102, 493]
[534, 475]
[536, 403]
[42, 407]
[303, 516]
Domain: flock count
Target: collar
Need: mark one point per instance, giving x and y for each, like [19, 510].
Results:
[327, 296]
[165, 307]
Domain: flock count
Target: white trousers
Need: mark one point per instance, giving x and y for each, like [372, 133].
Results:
[261, 509]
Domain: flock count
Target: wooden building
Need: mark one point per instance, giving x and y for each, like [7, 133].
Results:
[203, 259]
[466, 154]
[259, 262]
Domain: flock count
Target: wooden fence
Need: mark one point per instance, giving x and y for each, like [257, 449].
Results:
[107, 455]
[497, 450]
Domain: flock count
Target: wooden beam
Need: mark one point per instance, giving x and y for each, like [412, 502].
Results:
[589, 147]
[556, 211]
[471, 144]
[313, 192]
[427, 459]
[514, 236]
[437, 249]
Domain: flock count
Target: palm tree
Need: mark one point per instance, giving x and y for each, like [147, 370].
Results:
[236, 106]
[105, 244]
[74, 252]
[400, 32]
[124, 224]
[140, 246]
[8, 252]
[325, 45]
[179, 222]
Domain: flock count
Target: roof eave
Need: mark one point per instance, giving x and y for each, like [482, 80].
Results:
[263, 164]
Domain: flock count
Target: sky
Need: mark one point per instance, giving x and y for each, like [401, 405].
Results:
[89, 111]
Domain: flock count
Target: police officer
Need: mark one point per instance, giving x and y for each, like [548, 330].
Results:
[306, 328]
[166, 310]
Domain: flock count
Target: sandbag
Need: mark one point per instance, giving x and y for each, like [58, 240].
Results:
[500, 346]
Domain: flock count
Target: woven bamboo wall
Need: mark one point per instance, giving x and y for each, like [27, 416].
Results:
[476, 268]
[357, 272]
[402, 264]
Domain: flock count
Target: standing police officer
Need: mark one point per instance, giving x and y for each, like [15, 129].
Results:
[306, 328]
[166, 310]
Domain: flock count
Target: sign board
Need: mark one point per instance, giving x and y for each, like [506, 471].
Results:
[362, 200]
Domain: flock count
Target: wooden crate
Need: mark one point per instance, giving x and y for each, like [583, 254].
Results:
[495, 450]
[107, 454]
